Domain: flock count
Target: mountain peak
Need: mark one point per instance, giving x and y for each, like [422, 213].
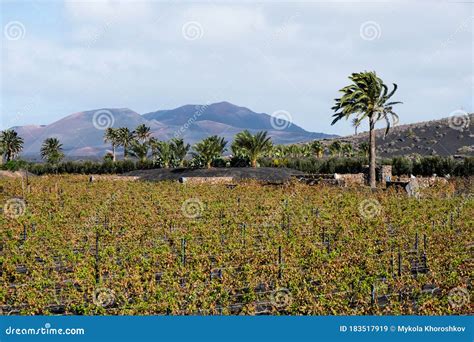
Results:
[83, 132]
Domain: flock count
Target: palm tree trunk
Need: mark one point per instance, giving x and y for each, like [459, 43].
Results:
[372, 164]
[113, 153]
[209, 164]
[254, 162]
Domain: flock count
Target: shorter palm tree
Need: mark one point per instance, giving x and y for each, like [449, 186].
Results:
[335, 148]
[52, 151]
[318, 148]
[180, 150]
[209, 149]
[139, 150]
[347, 150]
[355, 123]
[252, 146]
[111, 135]
[364, 148]
[11, 144]
[278, 151]
[162, 152]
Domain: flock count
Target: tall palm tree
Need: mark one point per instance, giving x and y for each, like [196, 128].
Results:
[52, 151]
[252, 146]
[125, 139]
[11, 144]
[143, 133]
[355, 123]
[367, 98]
[180, 150]
[111, 135]
[210, 149]
[318, 148]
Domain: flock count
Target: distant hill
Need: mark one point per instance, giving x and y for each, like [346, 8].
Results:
[444, 137]
[82, 133]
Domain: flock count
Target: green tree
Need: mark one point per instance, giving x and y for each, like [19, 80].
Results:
[347, 150]
[364, 149]
[318, 148]
[335, 149]
[367, 98]
[143, 133]
[139, 150]
[111, 135]
[11, 144]
[179, 150]
[355, 123]
[52, 151]
[162, 153]
[210, 149]
[252, 146]
[125, 139]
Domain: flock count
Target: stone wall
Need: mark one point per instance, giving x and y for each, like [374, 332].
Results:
[350, 179]
[206, 180]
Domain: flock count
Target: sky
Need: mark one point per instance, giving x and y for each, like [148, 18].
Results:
[58, 58]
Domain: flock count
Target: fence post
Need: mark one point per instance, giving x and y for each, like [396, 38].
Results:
[416, 242]
[97, 276]
[243, 227]
[288, 224]
[24, 231]
[183, 251]
[372, 294]
[279, 262]
[399, 263]
[392, 271]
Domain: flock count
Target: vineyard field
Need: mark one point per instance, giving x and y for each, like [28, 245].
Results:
[112, 247]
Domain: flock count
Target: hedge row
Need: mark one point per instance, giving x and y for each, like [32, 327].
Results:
[421, 166]
[80, 167]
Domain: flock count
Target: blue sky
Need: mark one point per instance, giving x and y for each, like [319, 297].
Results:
[58, 57]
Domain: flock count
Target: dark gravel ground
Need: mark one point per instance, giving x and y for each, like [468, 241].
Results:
[268, 174]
